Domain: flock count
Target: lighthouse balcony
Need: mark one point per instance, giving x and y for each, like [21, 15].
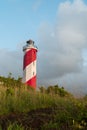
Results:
[29, 47]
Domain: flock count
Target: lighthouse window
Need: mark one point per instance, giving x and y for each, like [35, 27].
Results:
[33, 73]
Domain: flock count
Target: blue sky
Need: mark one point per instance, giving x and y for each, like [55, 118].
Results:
[59, 29]
[19, 19]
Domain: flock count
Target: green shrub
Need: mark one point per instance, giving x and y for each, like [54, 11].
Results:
[15, 126]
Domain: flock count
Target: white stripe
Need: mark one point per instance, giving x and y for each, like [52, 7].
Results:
[29, 72]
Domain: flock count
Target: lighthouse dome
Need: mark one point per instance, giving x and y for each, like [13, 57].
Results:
[30, 42]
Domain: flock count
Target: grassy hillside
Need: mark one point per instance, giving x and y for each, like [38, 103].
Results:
[52, 108]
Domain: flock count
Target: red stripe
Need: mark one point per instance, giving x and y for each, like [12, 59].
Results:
[29, 57]
[32, 82]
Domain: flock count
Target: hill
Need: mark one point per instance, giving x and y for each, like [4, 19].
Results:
[52, 108]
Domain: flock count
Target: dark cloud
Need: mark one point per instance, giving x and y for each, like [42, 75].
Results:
[63, 45]
[10, 62]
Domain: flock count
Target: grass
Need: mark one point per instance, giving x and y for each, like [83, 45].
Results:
[69, 113]
[15, 126]
[22, 100]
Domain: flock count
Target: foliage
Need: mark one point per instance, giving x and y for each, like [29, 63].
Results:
[52, 90]
[69, 113]
[10, 81]
[15, 126]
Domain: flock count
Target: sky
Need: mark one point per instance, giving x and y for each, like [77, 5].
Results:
[59, 29]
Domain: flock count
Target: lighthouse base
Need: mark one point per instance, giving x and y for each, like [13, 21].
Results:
[32, 82]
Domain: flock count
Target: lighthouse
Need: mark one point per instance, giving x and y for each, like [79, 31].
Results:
[29, 64]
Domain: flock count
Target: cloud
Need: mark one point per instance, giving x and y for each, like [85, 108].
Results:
[10, 61]
[61, 46]
[76, 82]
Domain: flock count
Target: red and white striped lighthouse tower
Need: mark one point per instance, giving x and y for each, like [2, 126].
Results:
[29, 64]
